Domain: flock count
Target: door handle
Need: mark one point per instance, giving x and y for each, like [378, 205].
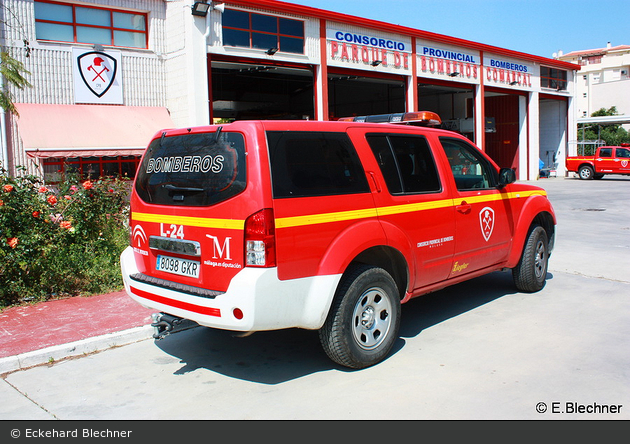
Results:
[464, 207]
[375, 182]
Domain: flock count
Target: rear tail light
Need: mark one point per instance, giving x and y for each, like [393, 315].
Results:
[260, 239]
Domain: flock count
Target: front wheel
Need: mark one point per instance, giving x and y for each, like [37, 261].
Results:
[531, 272]
[364, 319]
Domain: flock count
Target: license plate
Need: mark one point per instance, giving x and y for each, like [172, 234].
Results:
[175, 265]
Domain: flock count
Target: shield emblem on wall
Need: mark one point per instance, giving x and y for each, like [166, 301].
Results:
[98, 71]
[486, 220]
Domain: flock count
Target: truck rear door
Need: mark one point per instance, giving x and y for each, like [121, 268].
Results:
[189, 207]
[622, 160]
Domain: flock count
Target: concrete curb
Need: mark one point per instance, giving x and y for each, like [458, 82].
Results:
[77, 348]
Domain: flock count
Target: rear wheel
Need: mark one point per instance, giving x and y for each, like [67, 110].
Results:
[586, 172]
[364, 319]
[531, 272]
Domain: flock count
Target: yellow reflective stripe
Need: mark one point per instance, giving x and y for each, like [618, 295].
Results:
[313, 219]
[204, 222]
[323, 218]
[409, 208]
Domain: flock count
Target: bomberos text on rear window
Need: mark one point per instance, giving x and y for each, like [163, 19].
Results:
[195, 169]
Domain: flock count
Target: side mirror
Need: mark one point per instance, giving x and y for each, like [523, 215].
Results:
[506, 177]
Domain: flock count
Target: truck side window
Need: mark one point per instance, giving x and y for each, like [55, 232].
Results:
[310, 163]
[623, 152]
[605, 152]
[470, 169]
[406, 163]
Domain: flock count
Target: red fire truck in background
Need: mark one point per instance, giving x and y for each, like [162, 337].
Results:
[607, 160]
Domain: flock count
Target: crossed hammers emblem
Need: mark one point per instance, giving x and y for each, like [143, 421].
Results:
[97, 62]
[487, 220]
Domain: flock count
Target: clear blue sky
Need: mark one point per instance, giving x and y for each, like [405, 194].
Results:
[539, 27]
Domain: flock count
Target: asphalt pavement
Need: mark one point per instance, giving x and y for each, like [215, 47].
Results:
[525, 352]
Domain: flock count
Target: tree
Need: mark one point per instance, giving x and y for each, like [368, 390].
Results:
[12, 71]
[611, 134]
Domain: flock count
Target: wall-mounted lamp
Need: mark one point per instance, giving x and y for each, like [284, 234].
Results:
[271, 51]
[513, 83]
[376, 62]
[454, 74]
[200, 9]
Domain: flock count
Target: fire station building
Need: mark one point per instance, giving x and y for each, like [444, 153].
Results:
[107, 74]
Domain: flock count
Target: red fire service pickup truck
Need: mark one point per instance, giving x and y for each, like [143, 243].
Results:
[607, 160]
[330, 226]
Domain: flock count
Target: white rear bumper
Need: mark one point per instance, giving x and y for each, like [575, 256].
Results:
[266, 303]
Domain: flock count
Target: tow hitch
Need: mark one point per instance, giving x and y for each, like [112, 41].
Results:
[164, 324]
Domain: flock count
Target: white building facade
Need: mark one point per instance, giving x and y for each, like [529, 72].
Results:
[603, 80]
[108, 74]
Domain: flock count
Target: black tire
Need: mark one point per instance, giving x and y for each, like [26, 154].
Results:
[586, 172]
[531, 272]
[363, 321]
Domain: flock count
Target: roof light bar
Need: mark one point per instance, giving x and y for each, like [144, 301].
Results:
[420, 118]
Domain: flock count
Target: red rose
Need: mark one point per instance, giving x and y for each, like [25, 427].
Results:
[35, 213]
[65, 224]
[13, 241]
[43, 189]
[8, 188]
[88, 185]
[51, 200]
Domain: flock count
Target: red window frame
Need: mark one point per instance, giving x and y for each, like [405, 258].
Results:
[556, 78]
[111, 28]
[251, 30]
[84, 163]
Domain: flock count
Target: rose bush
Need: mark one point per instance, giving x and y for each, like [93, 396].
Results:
[60, 240]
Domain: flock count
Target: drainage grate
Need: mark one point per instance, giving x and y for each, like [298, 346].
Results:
[589, 209]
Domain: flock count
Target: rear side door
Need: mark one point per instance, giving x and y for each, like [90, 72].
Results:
[412, 203]
[622, 160]
[482, 213]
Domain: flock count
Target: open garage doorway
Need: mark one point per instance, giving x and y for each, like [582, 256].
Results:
[454, 105]
[553, 134]
[245, 91]
[353, 95]
[502, 145]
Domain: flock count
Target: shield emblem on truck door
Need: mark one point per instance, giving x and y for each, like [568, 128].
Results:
[98, 71]
[486, 221]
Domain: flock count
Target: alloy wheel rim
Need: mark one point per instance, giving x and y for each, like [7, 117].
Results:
[371, 318]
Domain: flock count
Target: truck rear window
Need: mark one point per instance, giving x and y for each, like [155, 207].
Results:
[198, 169]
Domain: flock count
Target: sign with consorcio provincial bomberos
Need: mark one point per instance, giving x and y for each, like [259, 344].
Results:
[447, 62]
[367, 49]
[500, 71]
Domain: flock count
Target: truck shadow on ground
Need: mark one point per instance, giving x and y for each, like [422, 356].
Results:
[275, 357]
